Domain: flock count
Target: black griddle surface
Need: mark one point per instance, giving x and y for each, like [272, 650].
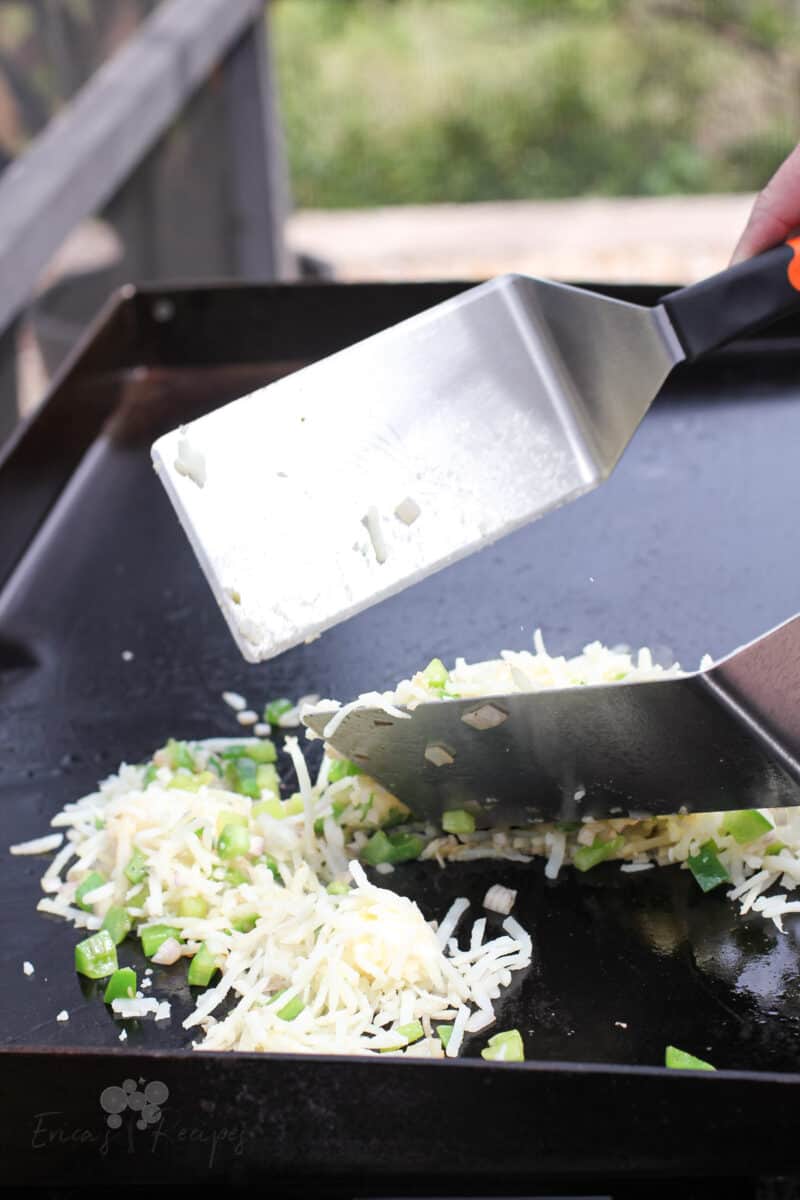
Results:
[690, 546]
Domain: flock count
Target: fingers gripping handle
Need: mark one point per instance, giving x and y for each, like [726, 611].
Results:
[752, 293]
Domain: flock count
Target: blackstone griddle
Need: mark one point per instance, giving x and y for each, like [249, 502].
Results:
[690, 547]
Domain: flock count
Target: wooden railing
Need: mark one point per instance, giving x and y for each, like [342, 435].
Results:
[175, 141]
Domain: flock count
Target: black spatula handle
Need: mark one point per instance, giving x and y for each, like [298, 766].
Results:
[752, 293]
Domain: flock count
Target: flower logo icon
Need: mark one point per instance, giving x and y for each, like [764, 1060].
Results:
[146, 1100]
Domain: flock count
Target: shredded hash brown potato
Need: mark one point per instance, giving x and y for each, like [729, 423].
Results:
[203, 849]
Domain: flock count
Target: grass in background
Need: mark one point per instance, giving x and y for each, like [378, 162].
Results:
[422, 101]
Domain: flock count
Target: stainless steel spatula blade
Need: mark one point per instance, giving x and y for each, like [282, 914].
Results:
[421, 444]
[409, 450]
[718, 739]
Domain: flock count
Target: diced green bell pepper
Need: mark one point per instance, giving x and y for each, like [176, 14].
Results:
[191, 783]
[121, 985]
[241, 777]
[458, 820]
[682, 1061]
[435, 675]
[394, 817]
[137, 867]
[745, 826]
[275, 709]
[246, 923]
[93, 880]
[233, 752]
[179, 755]
[192, 906]
[411, 1032]
[118, 923]
[154, 936]
[138, 899]
[290, 1010]
[385, 847]
[268, 861]
[505, 1047]
[279, 809]
[233, 842]
[337, 808]
[202, 967]
[267, 778]
[271, 807]
[586, 857]
[96, 956]
[340, 768]
[262, 751]
[234, 877]
[707, 868]
[228, 817]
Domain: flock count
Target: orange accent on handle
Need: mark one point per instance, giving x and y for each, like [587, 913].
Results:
[793, 270]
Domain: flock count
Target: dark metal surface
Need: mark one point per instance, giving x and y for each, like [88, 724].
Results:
[689, 547]
[725, 738]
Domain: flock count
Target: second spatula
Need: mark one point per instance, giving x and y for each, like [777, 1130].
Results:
[713, 740]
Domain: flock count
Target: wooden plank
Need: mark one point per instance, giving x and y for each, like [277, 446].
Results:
[9, 414]
[258, 170]
[84, 155]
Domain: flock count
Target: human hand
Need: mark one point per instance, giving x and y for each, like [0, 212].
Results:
[776, 212]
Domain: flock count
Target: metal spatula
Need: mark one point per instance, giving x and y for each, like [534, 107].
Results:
[425, 442]
[723, 738]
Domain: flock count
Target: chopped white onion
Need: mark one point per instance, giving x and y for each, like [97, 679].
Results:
[500, 899]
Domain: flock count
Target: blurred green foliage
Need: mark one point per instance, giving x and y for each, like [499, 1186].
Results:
[420, 101]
